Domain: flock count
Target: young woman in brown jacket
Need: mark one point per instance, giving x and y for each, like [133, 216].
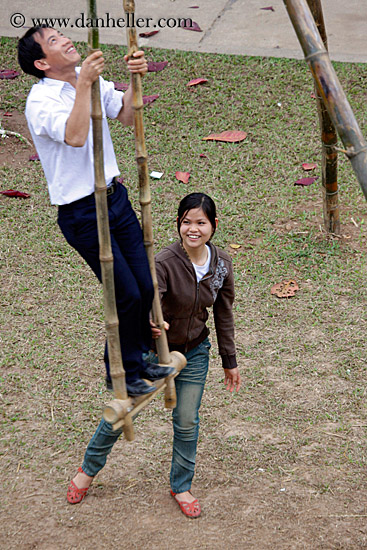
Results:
[193, 275]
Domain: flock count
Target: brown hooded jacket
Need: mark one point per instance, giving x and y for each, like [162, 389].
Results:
[185, 301]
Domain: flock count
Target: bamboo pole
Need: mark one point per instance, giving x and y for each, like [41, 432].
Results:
[329, 140]
[329, 88]
[104, 238]
[164, 356]
[115, 411]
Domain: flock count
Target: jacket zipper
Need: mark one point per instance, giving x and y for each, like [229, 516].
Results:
[195, 303]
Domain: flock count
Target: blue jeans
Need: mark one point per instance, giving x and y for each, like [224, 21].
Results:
[189, 388]
[133, 283]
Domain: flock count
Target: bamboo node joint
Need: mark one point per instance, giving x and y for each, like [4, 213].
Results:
[106, 258]
[318, 53]
[111, 324]
[115, 376]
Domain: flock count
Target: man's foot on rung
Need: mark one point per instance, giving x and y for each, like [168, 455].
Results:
[152, 372]
[139, 387]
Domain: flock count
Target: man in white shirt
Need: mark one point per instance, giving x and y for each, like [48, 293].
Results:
[58, 112]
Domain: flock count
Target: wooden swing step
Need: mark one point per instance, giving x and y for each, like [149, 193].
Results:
[116, 410]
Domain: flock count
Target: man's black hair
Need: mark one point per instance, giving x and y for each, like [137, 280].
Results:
[30, 51]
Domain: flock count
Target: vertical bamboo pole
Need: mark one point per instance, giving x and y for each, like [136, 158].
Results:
[104, 238]
[329, 140]
[329, 88]
[145, 200]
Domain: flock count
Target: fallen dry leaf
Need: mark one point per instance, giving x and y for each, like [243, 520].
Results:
[235, 246]
[155, 67]
[309, 165]
[183, 176]
[285, 289]
[193, 27]
[121, 86]
[13, 193]
[149, 98]
[148, 34]
[231, 136]
[197, 81]
[8, 74]
[306, 181]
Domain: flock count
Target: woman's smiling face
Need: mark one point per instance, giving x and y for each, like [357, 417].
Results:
[196, 229]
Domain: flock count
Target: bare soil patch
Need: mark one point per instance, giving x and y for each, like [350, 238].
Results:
[13, 150]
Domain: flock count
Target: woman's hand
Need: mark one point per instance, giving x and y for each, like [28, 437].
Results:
[232, 379]
[156, 332]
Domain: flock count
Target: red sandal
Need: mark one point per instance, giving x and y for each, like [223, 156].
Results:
[190, 509]
[74, 494]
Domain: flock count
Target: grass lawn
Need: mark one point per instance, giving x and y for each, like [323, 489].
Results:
[289, 451]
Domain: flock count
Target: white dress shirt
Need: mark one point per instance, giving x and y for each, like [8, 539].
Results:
[69, 170]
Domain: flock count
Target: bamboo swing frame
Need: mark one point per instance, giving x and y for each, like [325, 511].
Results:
[174, 359]
[329, 140]
[329, 88]
[121, 411]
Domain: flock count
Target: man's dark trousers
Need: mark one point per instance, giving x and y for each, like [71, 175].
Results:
[133, 283]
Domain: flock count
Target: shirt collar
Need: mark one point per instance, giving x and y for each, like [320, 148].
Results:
[59, 83]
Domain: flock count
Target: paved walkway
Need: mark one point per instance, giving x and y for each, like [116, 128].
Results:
[228, 26]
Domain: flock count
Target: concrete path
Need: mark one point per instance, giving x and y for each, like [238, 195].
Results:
[228, 26]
